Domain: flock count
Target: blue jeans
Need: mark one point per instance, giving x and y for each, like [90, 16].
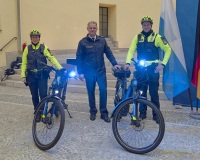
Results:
[91, 84]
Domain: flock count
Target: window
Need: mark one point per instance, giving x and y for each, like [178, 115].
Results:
[103, 21]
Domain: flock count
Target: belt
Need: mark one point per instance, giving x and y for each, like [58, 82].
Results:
[35, 70]
[148, 63]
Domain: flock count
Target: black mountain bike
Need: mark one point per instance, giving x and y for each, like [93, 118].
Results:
[49, 119]
[135, 134]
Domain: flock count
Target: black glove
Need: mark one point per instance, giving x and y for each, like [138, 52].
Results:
[62, 71]
[26, 84]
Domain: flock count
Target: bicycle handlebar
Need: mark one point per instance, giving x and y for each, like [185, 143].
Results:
[132, 59]
[51, 68]
[63, 72]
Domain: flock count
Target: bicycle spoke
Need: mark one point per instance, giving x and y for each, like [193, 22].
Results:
[48, 131]
[137, 136]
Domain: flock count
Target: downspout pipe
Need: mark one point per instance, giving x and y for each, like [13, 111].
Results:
[19, 44]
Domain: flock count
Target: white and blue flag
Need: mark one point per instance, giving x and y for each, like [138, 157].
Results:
[175, 79]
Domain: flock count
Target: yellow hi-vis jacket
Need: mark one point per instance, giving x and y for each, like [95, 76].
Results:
[159, 42]
[47, 54]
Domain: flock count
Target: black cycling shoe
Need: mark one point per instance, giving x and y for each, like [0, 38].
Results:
[92, 117]
[155, 118]
[38, 117]
[119, 118]
[106, 119]
[142, 116]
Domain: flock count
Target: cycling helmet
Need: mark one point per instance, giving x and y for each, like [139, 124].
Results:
[147, 19]
[35, 32]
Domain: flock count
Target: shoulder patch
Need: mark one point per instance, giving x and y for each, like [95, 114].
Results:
[164, 41]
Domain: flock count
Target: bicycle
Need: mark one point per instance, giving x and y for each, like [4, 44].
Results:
[49, 119]
[134, 133]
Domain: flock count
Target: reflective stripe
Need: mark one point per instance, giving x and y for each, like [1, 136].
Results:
[36, 70]
[148, 63]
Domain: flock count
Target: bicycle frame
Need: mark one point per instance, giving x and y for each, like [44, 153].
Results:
[57, 90]
[46, 104]
[131, 93]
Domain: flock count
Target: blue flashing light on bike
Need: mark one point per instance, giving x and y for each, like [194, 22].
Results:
[142, 63]
[56, 91]
[72, 74]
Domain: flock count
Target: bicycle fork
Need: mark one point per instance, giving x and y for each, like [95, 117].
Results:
[134, 113]
[46, 108]
[133, 93]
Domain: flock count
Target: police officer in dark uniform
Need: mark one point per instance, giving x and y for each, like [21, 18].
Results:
[147, 44]
[91, 67]
[32, 69]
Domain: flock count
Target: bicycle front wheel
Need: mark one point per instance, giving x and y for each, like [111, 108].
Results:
[138, 135]
[48, 123]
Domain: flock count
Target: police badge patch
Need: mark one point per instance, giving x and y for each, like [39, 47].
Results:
[164, 41]
[89, 46]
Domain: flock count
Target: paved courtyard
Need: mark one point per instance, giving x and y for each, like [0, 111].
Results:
[83, 139]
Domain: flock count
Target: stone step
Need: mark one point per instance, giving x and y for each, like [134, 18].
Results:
[109, 74]
[70, 88]
[108, 70]
[107, 62]
[113, 48]
[110, 44]
[111, 80]
[18, 77]
[73, 55]
[109, 39]
[120, 58]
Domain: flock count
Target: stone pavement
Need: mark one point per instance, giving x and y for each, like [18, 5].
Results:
[83, 139]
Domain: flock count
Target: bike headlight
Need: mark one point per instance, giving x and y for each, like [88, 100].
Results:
[72, 74]
[142, 63]
[56, 91]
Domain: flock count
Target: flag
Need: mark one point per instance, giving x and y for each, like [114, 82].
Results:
[175, 79]
[196, 69]
[196, 77]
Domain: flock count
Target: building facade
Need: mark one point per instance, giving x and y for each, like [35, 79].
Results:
[63, 23]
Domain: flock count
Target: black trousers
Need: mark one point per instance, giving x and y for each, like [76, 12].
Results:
[149, 79]
[91, 80]
[38, 88]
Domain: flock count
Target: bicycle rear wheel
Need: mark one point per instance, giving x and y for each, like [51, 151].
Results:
[138, 136]
[48, 123]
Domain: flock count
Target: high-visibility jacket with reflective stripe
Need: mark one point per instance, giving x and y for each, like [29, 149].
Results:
[36, 48]
[147, 48]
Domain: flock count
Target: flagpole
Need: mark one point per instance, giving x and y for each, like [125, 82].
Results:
[0, 24]
[197, 105]
[190, 99]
